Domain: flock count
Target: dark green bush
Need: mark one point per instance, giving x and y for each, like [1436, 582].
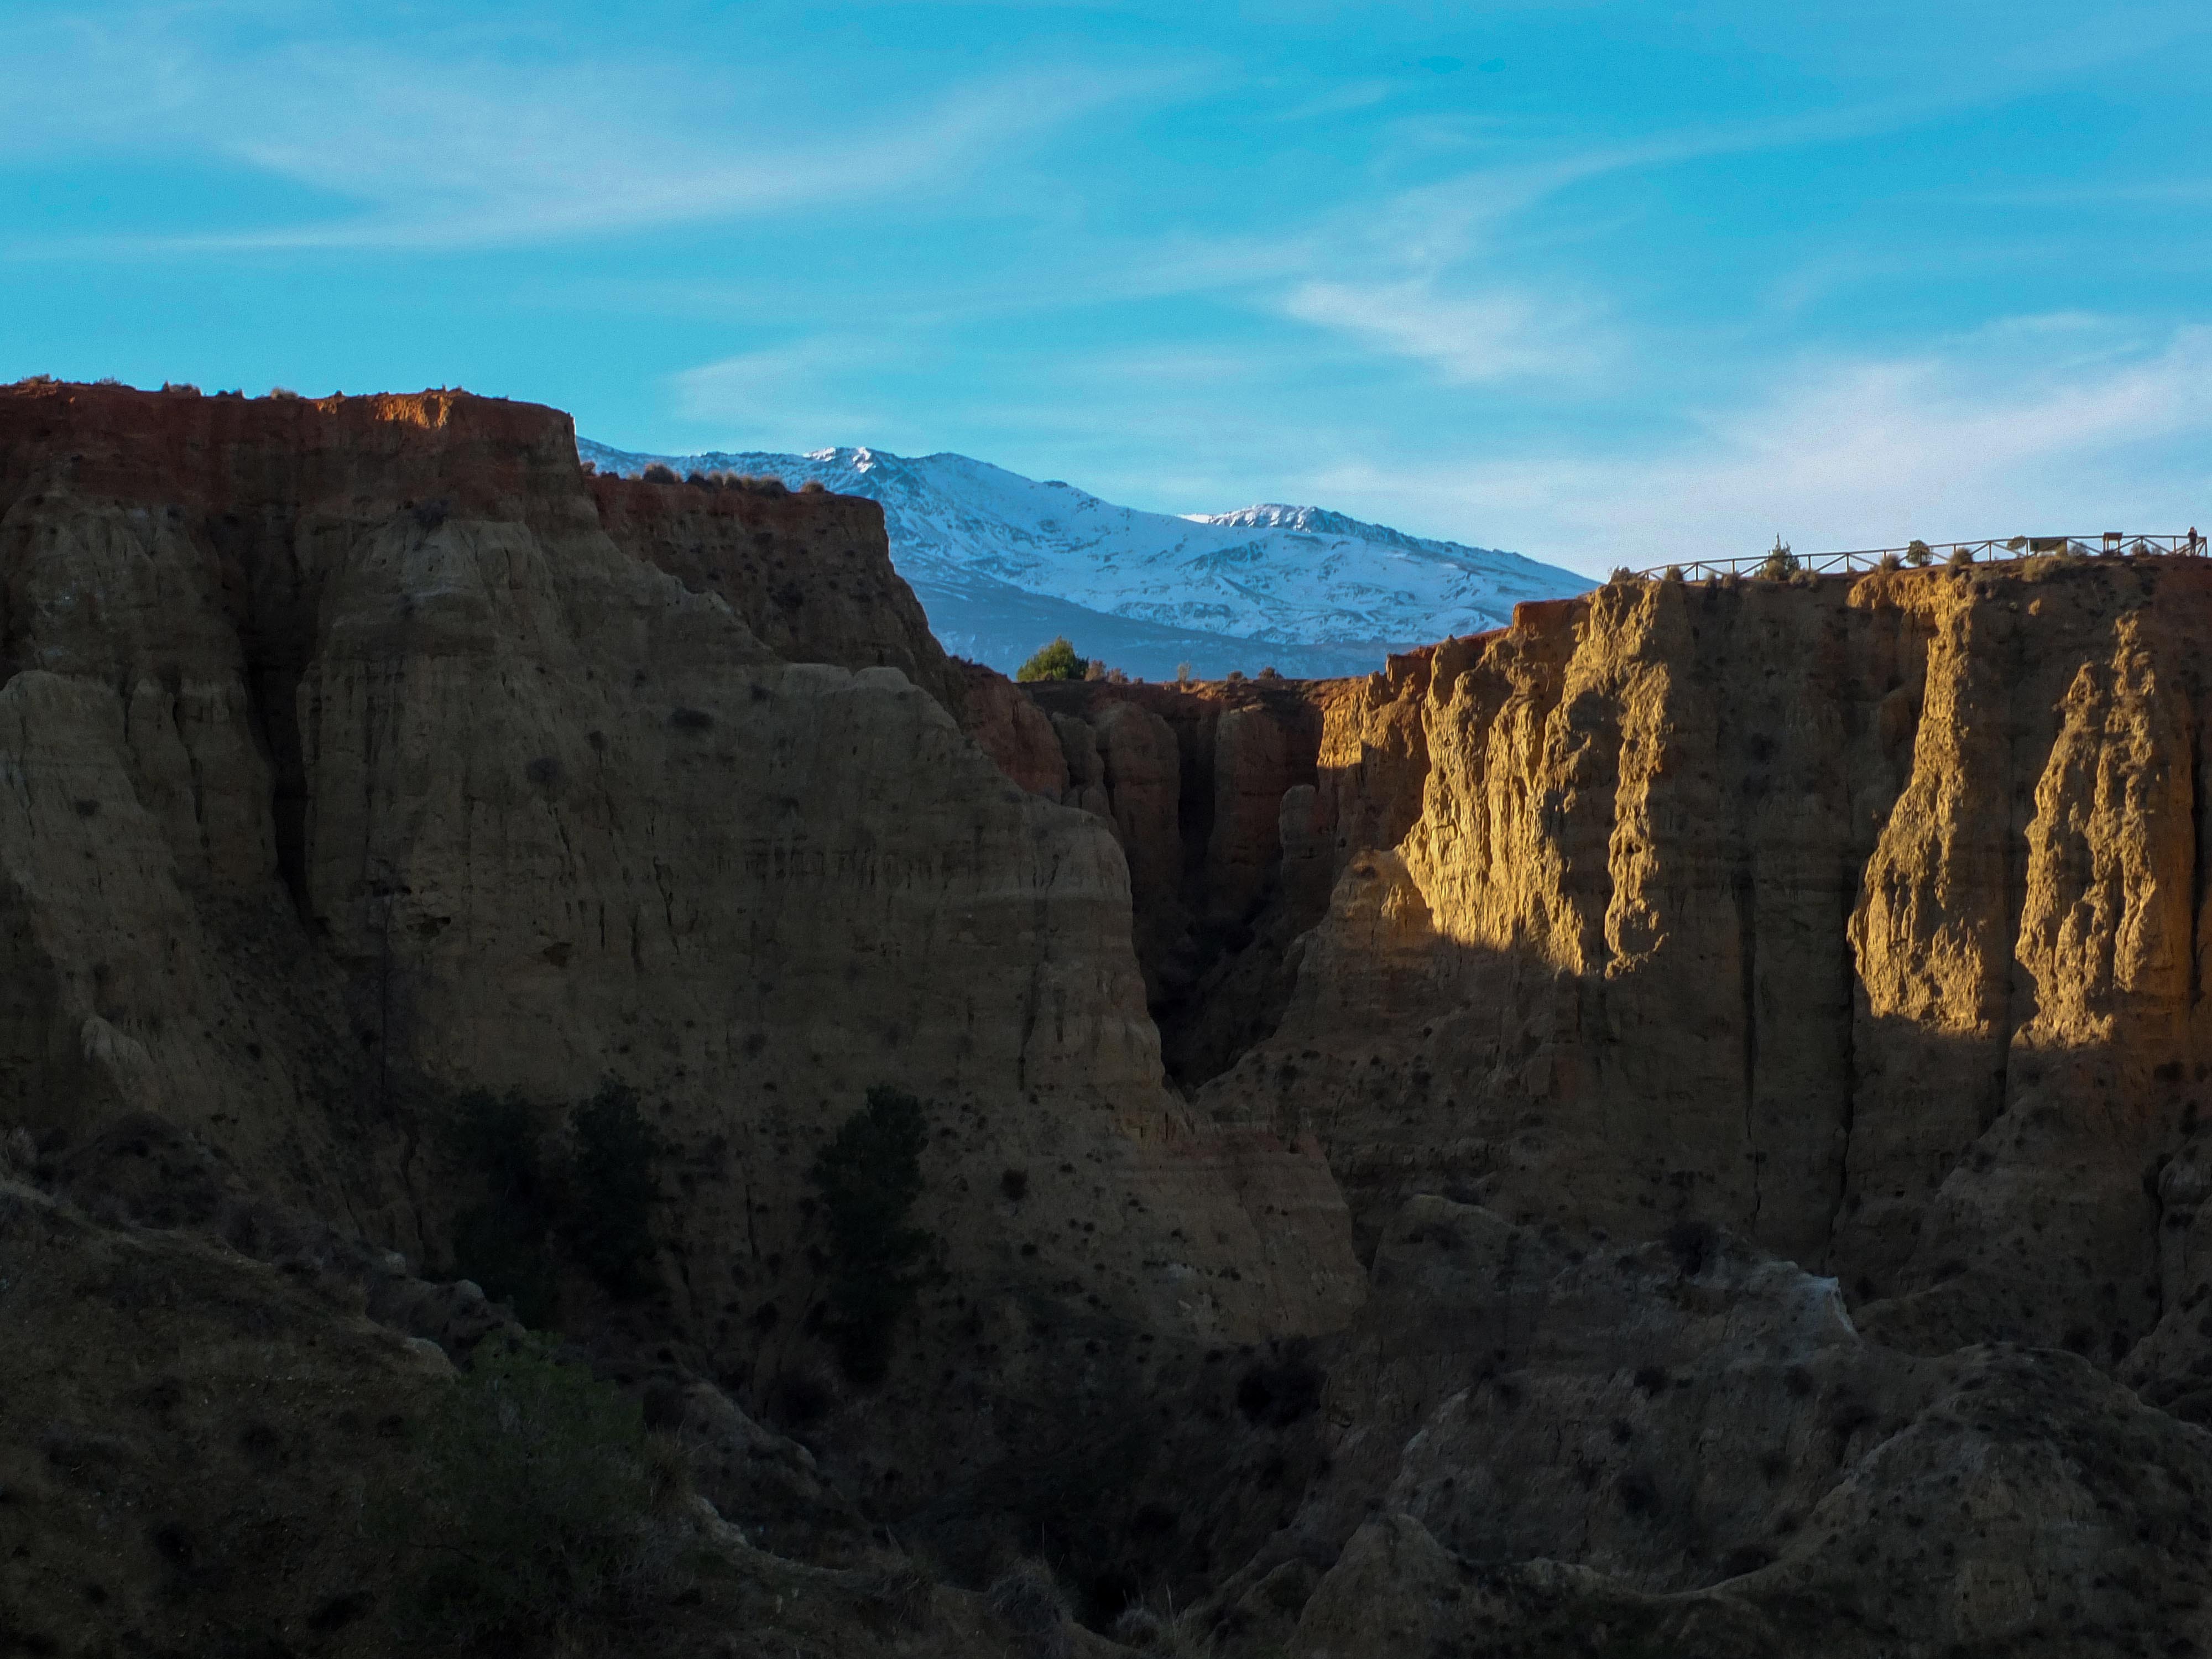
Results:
[1056, 661]
[536, 1501]
[593, 1199]
[502, 1242]
[870, 1175]
[609, 1191]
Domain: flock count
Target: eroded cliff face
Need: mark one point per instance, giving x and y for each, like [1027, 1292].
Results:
[1863, 918]
[809, 573]
[359, 753]
[1757, 1027]
[1210, 789]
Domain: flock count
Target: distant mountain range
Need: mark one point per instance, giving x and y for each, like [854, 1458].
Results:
[1002, 563]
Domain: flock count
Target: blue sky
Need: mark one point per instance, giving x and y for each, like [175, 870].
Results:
[1601, 283]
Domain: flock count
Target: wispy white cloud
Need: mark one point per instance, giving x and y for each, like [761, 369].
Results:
[796, 396]
[1352, 96]
[2036, 425]
[1467, 338]
[465, 141]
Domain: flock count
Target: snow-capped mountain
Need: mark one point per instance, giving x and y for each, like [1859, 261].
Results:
[1002, 563]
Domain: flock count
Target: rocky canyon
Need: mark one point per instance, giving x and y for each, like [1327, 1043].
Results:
[1672, 1127]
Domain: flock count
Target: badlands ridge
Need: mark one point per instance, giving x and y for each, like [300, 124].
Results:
[1672, 1127]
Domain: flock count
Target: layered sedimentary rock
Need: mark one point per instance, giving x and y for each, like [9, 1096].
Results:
[1862, 917]
[809, 573]
[1210, 790]
[353, 758]
[1758, 1028]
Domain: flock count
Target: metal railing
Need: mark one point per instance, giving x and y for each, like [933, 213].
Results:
[2110, 544]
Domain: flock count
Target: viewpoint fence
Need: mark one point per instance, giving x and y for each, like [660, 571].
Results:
[2109, 544]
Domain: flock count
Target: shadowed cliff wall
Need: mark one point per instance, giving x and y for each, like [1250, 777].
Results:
[348, 762]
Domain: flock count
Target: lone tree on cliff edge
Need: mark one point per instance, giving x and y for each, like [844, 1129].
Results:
[1056, 661]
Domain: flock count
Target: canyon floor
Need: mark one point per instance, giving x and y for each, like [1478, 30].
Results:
[570, 1083]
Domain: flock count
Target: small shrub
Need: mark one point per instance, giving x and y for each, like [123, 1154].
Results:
[282, 391]
[1780, 563]
[1184, 673]
[1056, 661]
[1236, 674]
[1746, 1558]
[1961, 559]
[902, 1595]
[660, 473]
[594, 1200]
[1691, 1243]
[1094, 670]
[1267, 672]
[502, 1242]
[1165, 1633]
[870, 1175]
[1029, 1600]
[536, 1500]
[183, 387]
[1889, 562]
[609, 1191]
[699, 480]
[1674, 574]
[814, 486]
[1281, 1393]
[802, 1399]
[1916, 554]
[1622, 577]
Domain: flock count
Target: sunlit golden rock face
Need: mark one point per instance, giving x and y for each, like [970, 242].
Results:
[1860, 916]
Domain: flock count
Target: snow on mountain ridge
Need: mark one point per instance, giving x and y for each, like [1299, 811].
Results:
[1279, 581]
